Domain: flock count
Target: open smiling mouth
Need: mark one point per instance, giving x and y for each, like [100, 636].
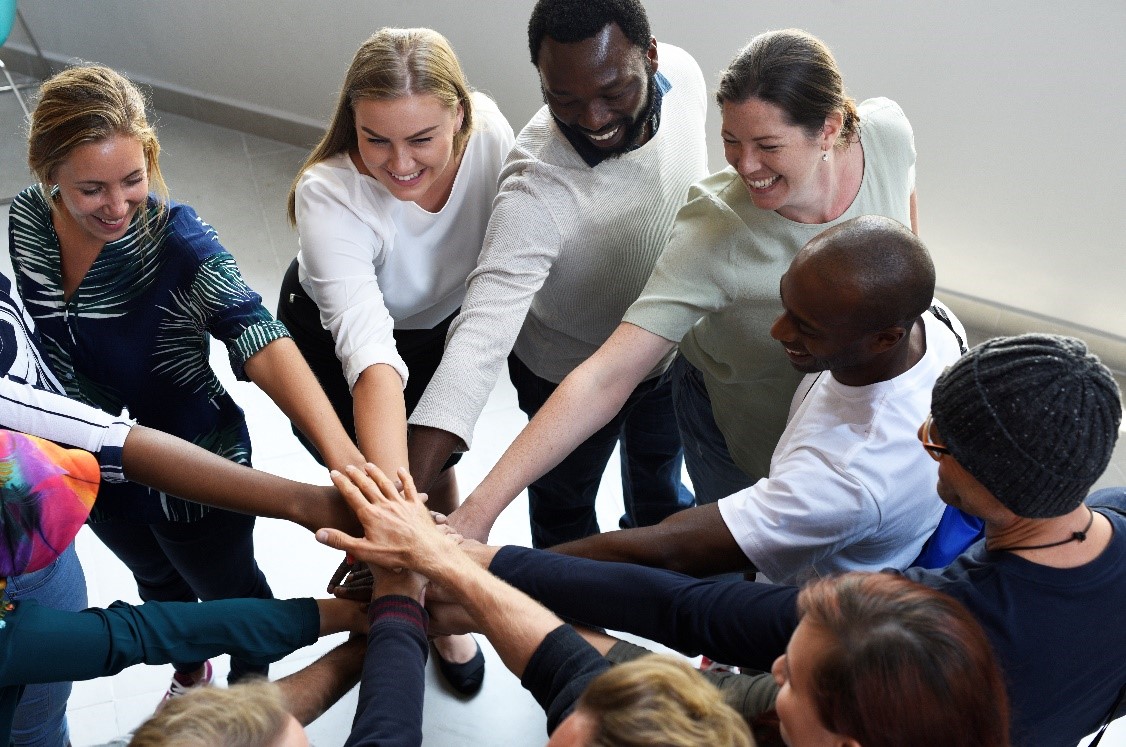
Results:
[603, 138]
[111, 224]
[407, 178]
[795, 354]
[762, 183]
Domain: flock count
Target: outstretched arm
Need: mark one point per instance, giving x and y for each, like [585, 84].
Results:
[740, 622]
[172, 465]
[389, 711]
[696, 542]
[521, 243]
[168, 463]
[100, 642]
[311, 691]
[280, 371]
[339, 255]
[391, 658]
[381, 417]
[585, 401]
[429, 449]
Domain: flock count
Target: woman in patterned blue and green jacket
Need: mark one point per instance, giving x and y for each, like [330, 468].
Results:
[125, 286]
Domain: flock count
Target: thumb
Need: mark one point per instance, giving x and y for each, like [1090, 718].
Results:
[335, 538]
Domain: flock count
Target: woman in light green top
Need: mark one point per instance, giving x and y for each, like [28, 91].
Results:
[803, 157]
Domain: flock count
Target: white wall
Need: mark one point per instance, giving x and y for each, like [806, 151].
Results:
[1017, 107]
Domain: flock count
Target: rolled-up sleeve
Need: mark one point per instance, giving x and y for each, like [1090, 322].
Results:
[232, 311]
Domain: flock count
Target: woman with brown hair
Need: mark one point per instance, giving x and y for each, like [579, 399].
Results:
[880, 661]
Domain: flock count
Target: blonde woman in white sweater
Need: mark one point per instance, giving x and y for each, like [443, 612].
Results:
[391, 208]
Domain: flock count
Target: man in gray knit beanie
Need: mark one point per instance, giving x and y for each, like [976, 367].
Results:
[1033, 418]
[1021, 428]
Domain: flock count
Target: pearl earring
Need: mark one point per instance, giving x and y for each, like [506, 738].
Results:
[824, 155]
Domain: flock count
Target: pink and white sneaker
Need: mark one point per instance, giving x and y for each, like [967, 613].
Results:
[707, 665]
[182, 683]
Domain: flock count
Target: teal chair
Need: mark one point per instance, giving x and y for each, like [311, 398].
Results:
[9, 14]
[7, 18]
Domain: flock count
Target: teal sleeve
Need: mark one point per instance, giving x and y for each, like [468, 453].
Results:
[38, 644]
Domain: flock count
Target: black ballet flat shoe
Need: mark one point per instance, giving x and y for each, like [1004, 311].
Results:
[465, 678]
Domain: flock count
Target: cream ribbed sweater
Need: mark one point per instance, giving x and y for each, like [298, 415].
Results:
[568, 249]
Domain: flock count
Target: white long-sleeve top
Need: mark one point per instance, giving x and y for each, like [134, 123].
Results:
[374, 263]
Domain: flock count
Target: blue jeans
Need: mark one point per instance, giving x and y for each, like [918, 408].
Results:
[40, 718]
[184, 561]
[714, 474]
[561, 503]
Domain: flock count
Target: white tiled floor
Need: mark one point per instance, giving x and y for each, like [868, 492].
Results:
[238, 184]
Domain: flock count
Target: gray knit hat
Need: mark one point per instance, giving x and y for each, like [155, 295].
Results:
[1034, 418]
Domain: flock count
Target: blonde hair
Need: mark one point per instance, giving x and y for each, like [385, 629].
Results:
[85, 104]
[660, 700]
[391, 64]
[246, 715]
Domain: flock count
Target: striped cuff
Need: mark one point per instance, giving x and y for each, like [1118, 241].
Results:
[254, 338]
[111, 454]
[398, 608]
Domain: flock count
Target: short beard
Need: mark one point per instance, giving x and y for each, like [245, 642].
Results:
[636, 130]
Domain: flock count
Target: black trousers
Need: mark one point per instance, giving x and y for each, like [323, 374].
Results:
[421, 350]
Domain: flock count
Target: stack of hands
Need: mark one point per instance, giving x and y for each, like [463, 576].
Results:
[403, 548]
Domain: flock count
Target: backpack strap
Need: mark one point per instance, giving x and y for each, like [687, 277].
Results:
[1114, 713]
[941, 315]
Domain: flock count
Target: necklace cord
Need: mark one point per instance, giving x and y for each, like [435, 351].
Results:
[1080, 536]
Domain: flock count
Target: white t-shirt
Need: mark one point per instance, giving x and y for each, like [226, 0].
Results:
[374, 263]
[850, 487]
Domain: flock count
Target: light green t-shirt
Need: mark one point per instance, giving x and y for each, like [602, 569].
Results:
[715, 287]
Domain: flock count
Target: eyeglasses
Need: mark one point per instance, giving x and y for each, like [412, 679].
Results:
[936, 451]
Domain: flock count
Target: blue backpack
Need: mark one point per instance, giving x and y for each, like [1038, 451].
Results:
[955, 532]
